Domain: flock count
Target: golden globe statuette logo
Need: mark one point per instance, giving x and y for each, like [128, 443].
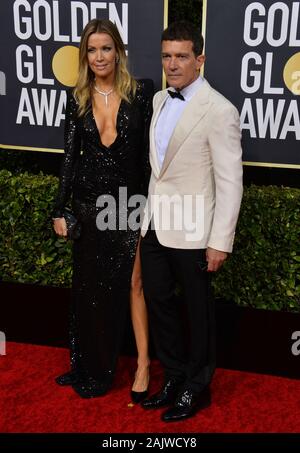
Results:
[291, 73]
[65, 65]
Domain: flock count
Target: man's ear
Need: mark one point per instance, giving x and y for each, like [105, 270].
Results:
[200, 60]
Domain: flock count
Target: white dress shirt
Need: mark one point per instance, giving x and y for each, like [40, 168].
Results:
[169, 117]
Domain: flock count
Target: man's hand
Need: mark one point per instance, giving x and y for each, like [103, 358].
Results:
[215, 259]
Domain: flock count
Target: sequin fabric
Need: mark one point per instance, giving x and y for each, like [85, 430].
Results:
[102, 260]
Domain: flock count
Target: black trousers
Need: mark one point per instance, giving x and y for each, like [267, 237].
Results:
[183, 327]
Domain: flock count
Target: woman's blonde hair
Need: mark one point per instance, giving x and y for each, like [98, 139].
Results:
[125, 85]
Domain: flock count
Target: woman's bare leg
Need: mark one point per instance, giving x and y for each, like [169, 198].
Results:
[140, 326]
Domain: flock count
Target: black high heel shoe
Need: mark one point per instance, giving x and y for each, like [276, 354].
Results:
[70, 378]
[138, 397]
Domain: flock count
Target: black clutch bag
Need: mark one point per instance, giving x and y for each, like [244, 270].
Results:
[73, 226]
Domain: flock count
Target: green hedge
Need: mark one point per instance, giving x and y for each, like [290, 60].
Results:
[29, 250]
[186, 10]
[263, 271]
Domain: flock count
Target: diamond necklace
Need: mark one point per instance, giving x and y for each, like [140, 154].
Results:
[103, 93]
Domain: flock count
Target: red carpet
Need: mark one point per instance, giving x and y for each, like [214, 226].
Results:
[31, 402]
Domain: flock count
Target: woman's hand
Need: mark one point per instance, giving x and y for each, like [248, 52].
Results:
[60, 227]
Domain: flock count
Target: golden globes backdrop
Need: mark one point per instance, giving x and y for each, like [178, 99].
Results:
[39, 42]
[253, 58]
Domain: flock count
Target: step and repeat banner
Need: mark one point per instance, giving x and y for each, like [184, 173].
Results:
[39, 42]
[253, 58]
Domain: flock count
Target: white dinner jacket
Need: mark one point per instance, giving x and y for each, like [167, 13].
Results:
[194, 198]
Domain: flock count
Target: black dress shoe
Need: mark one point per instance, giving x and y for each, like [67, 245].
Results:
[187, 404]
[138, 397]
[163, 398]
[70, 378]
[90, 388]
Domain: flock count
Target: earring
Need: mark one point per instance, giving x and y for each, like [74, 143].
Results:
[117, 59]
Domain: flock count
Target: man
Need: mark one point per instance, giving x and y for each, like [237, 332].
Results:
[194, 198]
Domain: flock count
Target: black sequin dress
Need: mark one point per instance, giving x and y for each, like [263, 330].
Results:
[102, 260]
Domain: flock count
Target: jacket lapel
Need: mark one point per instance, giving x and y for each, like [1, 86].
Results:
[193, 113]
[153, 155]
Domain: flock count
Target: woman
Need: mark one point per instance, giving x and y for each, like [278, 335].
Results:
[106, 148]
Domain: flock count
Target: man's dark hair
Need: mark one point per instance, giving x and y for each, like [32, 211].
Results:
[184, 31]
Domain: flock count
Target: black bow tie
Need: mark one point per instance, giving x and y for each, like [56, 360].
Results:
[176, 94]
